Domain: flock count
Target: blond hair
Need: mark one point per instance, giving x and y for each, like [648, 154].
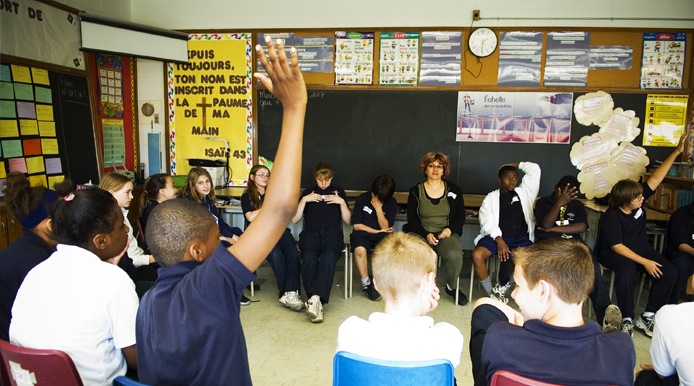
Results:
[399, 262]
[113, 182]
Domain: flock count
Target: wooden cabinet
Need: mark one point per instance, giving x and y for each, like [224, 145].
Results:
[10, 228]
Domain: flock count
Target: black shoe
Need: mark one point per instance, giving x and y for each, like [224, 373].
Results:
[370, 291]
[462, 298]
[245, 301]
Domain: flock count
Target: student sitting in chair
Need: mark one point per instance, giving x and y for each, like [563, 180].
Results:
[372, 220]
[548, 340]
[680, 247]
[506, 222]
[189, 322]
[404, 269]
[561, 215]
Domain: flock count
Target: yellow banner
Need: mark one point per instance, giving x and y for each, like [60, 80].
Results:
[210, 97]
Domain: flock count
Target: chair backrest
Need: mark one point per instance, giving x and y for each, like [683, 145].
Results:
[507, 378]
[42, 367]
[140, 232]
[352, 369]
[125, 381]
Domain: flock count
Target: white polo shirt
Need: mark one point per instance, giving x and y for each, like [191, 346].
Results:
[76, 303]
[403, 338]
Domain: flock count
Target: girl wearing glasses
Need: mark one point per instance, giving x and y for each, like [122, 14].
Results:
[284, 257]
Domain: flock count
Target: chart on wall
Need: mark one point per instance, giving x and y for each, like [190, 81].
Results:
[210, 105]
[28, 141]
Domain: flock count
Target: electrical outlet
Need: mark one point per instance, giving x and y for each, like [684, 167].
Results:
[476, 15]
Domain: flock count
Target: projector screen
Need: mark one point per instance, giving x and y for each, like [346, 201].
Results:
[111, 36]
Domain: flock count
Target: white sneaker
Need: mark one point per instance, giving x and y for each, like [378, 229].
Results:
[314, 308]
[646, 324]
[292, 300]
[499, 292]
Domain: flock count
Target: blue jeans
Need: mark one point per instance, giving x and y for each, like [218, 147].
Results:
[320, 250]
[284, 259]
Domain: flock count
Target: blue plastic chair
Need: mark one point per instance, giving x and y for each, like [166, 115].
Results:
[351, 369]
[125, 381]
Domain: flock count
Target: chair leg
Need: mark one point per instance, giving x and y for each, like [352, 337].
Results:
[345, 282]
[351, 271]
[252, 290]
[638, 297]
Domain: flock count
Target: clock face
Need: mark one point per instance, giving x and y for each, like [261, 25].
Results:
[482, 42]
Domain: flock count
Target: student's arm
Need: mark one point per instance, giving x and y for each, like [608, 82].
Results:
[652, 267]
[380, 215]
[247, 207]
[659, 174]
[285, 82]
[531, 179]
[130, 354]
[339, 198]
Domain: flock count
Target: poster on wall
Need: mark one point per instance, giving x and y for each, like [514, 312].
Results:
[666, 116]
[521, 117]
[210, 107]
[568, 58]
[662, 64]
[315, 52]
[440, 58]
[399, 58]
[354, 57]
[520, 57]
[28, 142]
[110, 89]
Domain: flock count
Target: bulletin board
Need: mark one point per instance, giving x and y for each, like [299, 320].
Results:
[46, 125]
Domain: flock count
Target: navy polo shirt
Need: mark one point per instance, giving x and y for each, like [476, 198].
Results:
[188, 325]
[681, 229]
[321, 215]
[16, 260]
[364, 212]
[617, 227]
[575, 213]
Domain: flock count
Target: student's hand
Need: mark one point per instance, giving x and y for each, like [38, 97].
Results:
[682, 142]
[312, 197]
[565, 195]
[376, 203]
[435, 296]
[334, 199]
[653, 268]
[386, 230]
[116, 259]
[645, 366]
[502, 250]
[444, 234]
[284, 79]
[231, 240]
[432, 240]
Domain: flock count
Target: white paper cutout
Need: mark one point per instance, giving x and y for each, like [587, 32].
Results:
[593, 108]
[624, 125]
[598, 178]
[590, 148]
[629, 160]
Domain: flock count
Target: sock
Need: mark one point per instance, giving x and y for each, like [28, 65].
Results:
[626, 320]
[487, 285]
[365, 281]
[646, 315]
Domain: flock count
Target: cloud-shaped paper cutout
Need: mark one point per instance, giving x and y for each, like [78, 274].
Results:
[593, 108]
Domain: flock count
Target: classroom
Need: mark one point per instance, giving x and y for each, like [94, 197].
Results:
[140, 88]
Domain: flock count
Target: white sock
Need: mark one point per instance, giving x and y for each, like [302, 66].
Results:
[365, 281]
[647, 315]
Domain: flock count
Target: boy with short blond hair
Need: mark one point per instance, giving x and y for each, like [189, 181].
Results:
[404, 269]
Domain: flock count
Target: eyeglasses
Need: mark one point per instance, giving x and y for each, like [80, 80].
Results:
[433, 166]
[639, 198]
[263, 175]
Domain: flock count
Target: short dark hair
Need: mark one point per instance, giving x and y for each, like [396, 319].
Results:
[623, 192]
[172, 225]
[85, 213]
[567, 180]
[383, 187]
[507, 169]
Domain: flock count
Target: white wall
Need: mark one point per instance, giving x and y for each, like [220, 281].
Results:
[113, 9]
[150, 88]
[236, 14]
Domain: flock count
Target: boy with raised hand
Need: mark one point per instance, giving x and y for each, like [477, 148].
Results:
[506, 222]
[404, 268]
[189, 322]
[548, 340]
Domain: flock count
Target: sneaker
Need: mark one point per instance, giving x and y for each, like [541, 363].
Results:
[245, 301]
[628, 327]
[612, 319]
[314, 308]
[292, 300]
[499, 292]
[371, 292]
[462, 298]
[646, 324]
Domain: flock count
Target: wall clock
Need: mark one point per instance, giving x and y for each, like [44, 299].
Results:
[482, 42]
